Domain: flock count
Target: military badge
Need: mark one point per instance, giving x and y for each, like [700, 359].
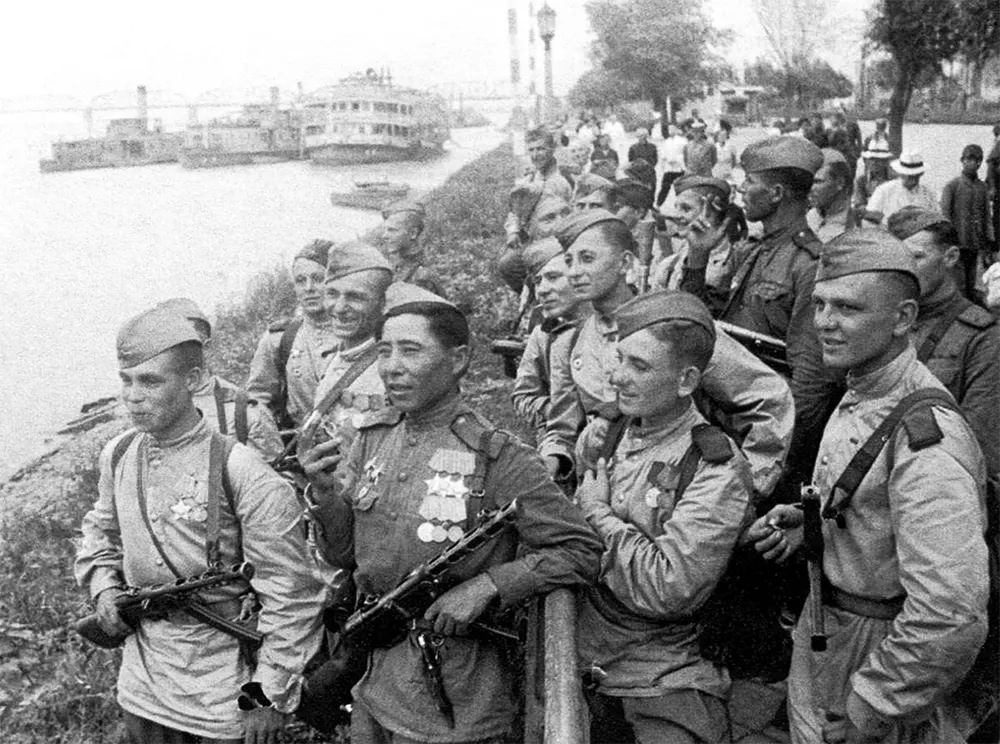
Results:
[444, 505]
[193, 505]
[366, 494]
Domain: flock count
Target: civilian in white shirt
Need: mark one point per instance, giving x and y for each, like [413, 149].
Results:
[904, 191]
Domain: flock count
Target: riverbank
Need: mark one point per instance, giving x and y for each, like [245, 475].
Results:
[54, 688]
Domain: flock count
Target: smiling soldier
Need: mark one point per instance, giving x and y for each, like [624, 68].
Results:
[160, 484]
[413, 484]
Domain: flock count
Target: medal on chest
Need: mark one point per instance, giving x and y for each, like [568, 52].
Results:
[443, 508]
[366, 496]
[192, 506]
[661, 488]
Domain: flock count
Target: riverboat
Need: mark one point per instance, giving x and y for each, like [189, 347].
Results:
[258, 134]
[366, 119]
[375, 195]
[127, 142]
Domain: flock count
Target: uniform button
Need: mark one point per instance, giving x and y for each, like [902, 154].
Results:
[412, 441]
[155, 517]
[159, 561]
[402, 476]
[460, 420]
[825, 460]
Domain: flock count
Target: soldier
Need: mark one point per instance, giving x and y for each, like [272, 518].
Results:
[957, 340]
[413, 479]
[357, 277]
[561, 313]
[830, 197]
[740, 389]
[669, 507]
[593, 191]
[537, 213]
[292, 355]
[904, 562]
[226, 406]
[400, 240]
[152, 524]
[772, 283]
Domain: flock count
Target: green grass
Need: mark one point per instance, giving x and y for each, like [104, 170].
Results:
[56, 689]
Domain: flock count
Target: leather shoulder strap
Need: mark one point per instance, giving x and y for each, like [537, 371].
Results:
[940, 328]
[288, 334]
[220, 407]
[240, 420]
[712, 443]
[121, 447]
[357, 368]
[616, 430]
[219, 486]
[486, 442]
[921, 428]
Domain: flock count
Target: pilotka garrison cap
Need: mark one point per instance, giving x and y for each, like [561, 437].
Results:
[684, 183]
[151, 333]
[910, 220]
[404, 205]
[578, 222]
[635, 194]
[588, 183]
[351, 258]
[187, 309]
[539, 253]
[861, 251]
[662, 305]
[781, 152]
[401, 295]
[318, 251]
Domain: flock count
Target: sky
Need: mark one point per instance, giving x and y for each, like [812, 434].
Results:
[189, 48]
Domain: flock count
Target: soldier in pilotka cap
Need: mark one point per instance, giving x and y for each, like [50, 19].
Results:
[771, 287]
[160, 484]
[400, 240]
[561, 312]
[668, 498]
[901, 482]
[225, 405]
[293, 353]
[412, 485]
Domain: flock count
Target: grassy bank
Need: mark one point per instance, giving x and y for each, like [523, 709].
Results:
[56, 689]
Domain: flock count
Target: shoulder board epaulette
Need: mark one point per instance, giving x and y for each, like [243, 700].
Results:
[388, 416]
[470, 429]
[922, 428]
[977, 317]
[806, 240]
[279, 326]
[712, 443]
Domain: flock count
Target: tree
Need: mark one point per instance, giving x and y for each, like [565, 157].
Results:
[980, 38]
[663, 47]
[919, 35]
[793, 28]
[600, 88]
[806, 83]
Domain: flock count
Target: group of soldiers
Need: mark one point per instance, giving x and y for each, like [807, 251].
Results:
[668, 458]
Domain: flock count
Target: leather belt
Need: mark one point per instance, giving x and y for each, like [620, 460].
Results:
[879, 609]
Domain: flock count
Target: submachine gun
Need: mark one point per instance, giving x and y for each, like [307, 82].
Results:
[770, 350]
[159, 600]
[382, 621]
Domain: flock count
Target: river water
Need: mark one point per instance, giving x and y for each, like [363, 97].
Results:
[82, 251]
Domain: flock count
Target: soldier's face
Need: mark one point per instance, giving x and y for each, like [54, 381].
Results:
[354, 303]
[398, 238]
[540, 153]
[860, 319]
[594, 266]
[934, 262]
[308, 277]
[760, 199]
[418, 371]
[648, 379]
[824, 189]
[547, 219]
[555, 294]
[156, 395]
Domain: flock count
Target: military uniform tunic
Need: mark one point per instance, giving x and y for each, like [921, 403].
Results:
[740, 390]
[771, 293]
[531, 392]
[662, 558]
[364, 395]
[965, 359]
[307, 361]
[404, 499]
[913, 529]
[179, 672]
[262, 433]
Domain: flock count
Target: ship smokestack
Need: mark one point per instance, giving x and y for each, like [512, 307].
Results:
[141, 102]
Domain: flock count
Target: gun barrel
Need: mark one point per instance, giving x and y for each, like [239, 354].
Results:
[136, 596]
[813, 545]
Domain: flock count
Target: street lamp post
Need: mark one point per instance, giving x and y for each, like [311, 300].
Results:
[547, 29]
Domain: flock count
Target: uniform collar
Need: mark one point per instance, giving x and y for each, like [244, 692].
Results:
[940, 305]
[196, 433]
[785, 232]
[349, 355]
[442, 414]
[641, 436]
[881, 382]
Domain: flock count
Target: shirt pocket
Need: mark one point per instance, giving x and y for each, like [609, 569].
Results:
[774, 300]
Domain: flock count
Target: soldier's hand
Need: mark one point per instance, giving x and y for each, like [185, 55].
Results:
[596, 487]
[777, 534]
[839, 729]
[591, 440]
[263, 725]
[320, 463]
[454, 610]
[107, 613]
